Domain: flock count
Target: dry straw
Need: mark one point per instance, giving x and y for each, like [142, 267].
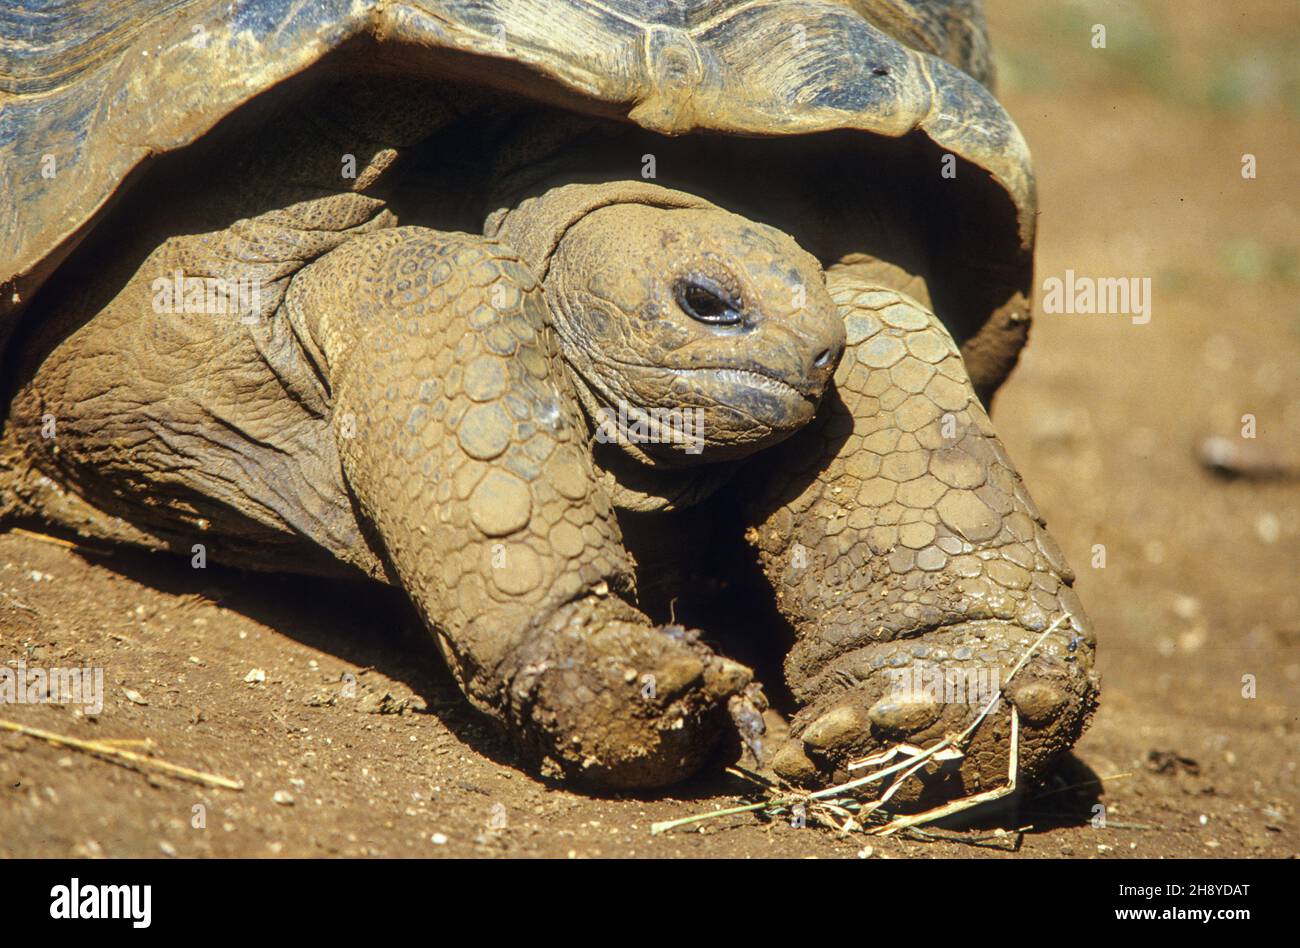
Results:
[111, 751]
[841, 808]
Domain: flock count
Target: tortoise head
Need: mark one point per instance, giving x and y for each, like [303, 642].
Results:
[691, 333]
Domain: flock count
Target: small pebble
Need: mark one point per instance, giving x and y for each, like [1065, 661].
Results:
[1268, 528]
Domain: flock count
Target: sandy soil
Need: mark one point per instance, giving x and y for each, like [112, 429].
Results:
[1139, 153]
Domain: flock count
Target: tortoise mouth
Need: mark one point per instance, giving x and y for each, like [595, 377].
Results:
[727, 413]
[753, 379]
[746, 410]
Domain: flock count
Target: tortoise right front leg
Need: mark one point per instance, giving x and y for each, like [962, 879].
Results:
[464, 454]
[915, 569]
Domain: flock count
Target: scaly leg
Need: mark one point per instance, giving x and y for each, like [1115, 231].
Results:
[906, 552]
[461, 443]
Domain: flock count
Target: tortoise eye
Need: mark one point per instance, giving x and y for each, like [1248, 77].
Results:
[705, 301]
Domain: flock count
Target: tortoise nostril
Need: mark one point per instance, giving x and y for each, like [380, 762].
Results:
[823, 359]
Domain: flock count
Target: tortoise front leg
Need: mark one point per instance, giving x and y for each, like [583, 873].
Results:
[462, 447]
[906, 552]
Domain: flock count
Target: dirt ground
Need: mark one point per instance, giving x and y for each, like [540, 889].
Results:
[1139, 150]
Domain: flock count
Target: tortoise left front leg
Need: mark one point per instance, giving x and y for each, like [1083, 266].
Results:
[906, 552]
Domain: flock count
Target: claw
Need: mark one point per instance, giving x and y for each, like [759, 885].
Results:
[836, 727]
[676, 675]
[724, 676]
[1037, 701]
[793, 765]
[901, 716]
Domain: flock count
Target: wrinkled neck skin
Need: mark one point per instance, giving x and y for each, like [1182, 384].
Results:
[635, 479]
[692, 337]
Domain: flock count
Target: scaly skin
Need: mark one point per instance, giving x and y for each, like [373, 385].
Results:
[467, 458]
[419, 406]
[424, 364]
[900, 540]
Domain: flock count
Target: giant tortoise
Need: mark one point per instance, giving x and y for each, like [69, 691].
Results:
[525, 305]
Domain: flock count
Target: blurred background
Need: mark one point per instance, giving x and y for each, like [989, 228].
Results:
[1139, 152]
